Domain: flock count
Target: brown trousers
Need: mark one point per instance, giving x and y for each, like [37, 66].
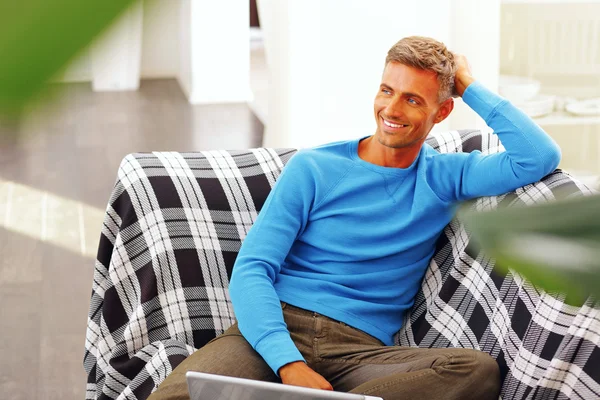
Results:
[351, 360]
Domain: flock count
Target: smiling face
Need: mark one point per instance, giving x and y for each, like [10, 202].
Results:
[407, 106]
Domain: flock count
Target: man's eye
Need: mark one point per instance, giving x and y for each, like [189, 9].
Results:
[386, 91]
[412, 101]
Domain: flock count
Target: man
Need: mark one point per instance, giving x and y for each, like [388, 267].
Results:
[345, 237]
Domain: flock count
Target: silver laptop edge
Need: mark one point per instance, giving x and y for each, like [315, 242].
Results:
[203, 386]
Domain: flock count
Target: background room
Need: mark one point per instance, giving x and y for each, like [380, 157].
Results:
[196, 75]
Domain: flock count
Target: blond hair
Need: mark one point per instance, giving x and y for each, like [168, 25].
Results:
[426, 54]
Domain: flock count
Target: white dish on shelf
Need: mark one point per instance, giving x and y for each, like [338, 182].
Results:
[538, 106]
[561, 102]
[585, 107]
[518, 88]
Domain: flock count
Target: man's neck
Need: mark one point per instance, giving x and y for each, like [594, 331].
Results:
[370, 150]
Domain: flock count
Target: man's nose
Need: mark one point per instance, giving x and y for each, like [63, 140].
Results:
[395, 108]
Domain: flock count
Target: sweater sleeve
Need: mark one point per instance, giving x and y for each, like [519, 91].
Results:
[255, 301]
[530, 153]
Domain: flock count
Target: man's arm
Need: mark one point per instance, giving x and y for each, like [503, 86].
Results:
[530, 153]
[256, 304]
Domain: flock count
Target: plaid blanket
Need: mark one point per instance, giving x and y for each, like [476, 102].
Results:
[546, 349]
[174, 225]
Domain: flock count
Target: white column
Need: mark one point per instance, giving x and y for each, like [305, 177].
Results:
[475, 32]
[215, 51]
[326, 58]
[116, 57]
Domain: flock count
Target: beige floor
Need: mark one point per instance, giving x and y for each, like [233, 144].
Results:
[57, 169]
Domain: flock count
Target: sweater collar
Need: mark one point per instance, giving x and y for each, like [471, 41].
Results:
[378, 168]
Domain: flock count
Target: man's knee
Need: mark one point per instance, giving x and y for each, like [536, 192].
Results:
[482, 375]
[229, 354]
[489, 373]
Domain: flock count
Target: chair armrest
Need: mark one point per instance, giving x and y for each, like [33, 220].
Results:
[172, 230]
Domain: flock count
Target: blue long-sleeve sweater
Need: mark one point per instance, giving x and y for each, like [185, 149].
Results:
[352, 240]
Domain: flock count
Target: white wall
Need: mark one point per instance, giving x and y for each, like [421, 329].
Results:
[475, 32]
[185, 47]
[326, 58]
[205, 44]
[116, 56]
[160, 44]
[219, 50]
[161, 38]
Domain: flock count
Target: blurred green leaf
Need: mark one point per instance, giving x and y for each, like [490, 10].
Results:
[39, 37]
[555, 245]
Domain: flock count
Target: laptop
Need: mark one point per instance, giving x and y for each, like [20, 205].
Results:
[203, 386]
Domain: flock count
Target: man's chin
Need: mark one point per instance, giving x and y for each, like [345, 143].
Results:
[388, 141]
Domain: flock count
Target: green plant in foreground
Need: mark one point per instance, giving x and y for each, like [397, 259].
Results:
[555, 245]
[39, 37]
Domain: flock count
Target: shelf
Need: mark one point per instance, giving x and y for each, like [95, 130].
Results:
[564, 118]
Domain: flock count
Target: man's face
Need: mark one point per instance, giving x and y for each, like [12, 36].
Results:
[406, 106]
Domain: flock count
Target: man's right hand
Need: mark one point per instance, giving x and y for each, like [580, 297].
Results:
[463, 77]
[299, 374]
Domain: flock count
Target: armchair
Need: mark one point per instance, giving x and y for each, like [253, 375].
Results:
[174, 225]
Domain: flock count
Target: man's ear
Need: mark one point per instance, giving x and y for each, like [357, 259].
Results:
[444, 110]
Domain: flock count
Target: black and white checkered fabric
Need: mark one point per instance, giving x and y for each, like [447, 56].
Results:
[174, 225]
[173, 228]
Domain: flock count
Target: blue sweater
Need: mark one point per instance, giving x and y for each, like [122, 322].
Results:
[352, 240]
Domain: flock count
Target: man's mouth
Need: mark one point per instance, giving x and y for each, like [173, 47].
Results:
[393, 125]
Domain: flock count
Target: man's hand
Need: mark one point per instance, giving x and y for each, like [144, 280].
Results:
[300, 374]
[463, 77]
